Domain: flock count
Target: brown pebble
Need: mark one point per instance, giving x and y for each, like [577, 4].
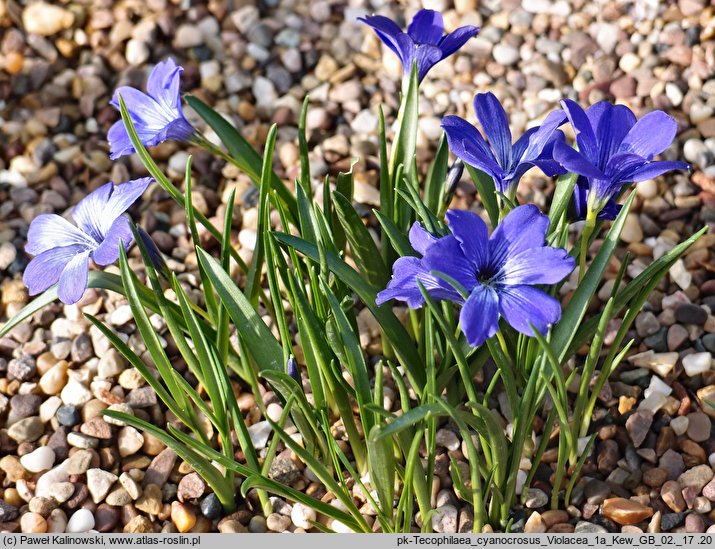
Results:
[33, 523]
[671, 493]
[106, 518]
[655, 477]
[626, 511]
[139, 525]
[183, 517]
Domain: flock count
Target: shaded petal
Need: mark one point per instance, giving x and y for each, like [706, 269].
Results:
[455, 40]
[49, 231]
[403, 285]
[96, 212]
[44, 270]
[108, 251]
[649, 170]
[523, 228]
[144, 110]
[427, 56]
[448, 257]
[539, 139]
[427, 27]
[479, 317]
[388, 31]
[73, 280]
[574, 161]
[585, 136]
[421, 239]
[119, 142]
[493, 119]
[164, 84]
[545, 265]
[521, 305]
[651, 135]
[472, 233]
[612, 124]
[468, 144]
[179, 129]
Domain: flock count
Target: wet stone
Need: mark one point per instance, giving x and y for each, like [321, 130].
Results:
[211, 507]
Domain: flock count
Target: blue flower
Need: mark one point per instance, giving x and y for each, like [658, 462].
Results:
[62, 251]
[157, 115]
[614, 149]
[504, 162]
[423, 42]
[498, 273]
[578, 208]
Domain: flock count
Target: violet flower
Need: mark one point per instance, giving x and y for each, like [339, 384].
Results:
[614, 149]
[498, 273]
[503, 162]
[62, 251]
[157, 114]
[578, 207]
[424, 41]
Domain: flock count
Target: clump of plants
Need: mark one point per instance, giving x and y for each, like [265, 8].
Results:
[487, 314]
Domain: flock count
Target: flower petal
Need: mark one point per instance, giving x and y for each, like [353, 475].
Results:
[493, 119]
[48, 231]
[387, 31]
[426, 56]
[479, 317]
[96, 212]
[521, 305]
[545, 265]
[523, 228]
[651, 135]
[649, 170]
[456, 39]
[45, 269]
[403, 285]
[144, 110]
[164, 84]
[472, 233]
[540, 138]
[73, 280]
[108, 251]
[427, 27]
[468, 144]
[585, 136]
[421, 239]
[612, 123]
[447, 257]
[119, 142]
[575, 162]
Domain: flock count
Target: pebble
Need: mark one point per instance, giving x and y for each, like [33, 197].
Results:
[696, 477]
[302, 515]
[26, 430]
[259, 433]
[106, 518]
[625, 511]
[697, 363]
[211, 507]
[536, 498]
[82, 520]
[38, 460]
[182, 516]
[534, 524]
[699, 427]
[61, 491]
[444, 519]
[150, 500]
[46, 19]
[191, 487]
[33, 523]
[688, 313]
[638, 425]
[99, 483]
[129, 441]
[7, 512]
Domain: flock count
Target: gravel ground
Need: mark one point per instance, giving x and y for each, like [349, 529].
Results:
[64, 468]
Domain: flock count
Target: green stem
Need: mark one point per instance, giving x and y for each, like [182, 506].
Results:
[585, 238]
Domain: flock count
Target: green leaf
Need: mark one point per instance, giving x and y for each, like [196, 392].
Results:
[487, 193]
[565, 331]
[381, 463]
[403, 148]
[243, 155]
[363, 247]
[262, 344]
[398, 240]
[436, 176]
[391, 326]
[562, 197]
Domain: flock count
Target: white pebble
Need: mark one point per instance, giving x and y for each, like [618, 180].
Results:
[679, 425]
[658, 385]
[38, 460]
[58, 474]
[259, 433]
[81, 521]
[653, 402]
[301, 515]
[697, 363]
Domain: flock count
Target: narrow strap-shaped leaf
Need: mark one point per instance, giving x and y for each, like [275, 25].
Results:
[398, 240]
[487, 193]
[242, 154]
[436, 176]
[263, 346]
[304, 181]
[560, 201]
[363, 247]
[403, 148]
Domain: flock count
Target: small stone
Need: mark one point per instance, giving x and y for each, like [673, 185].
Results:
[697, 363]
[139, 525]
[160, 468]
[137, 52]
[284, 470]
[536, 498]
[41, 459]
[655, 477]
[585, 527]
[188, 36]
[672, 463]
[75, 394]
[129, 441]
[694, 524]
[67, 415]
[99, 482]
[534, 524]
[709, 490]
[231, 527]
[626, 511]
[118, 498]
[182, 516]
[697, 477]
[7, 512]
[191, 486]
[706, 396]
[82, 520]
[46, 19]
[447, 439]
[130, 485]
[277, 523]
[106, 518]
[150, 500]
[259, 433]
[111, 364]
[33, 523]
[638, 425]
[301, 515]
[679, 425]
[505, 55]
[677, 337]
[61, 491]
[596, 491]
[699, 427]
[26, 430]
[632, 232]
[78, 463]
[689, 313]
[444, 519]
[211, 507]
[97, 428]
